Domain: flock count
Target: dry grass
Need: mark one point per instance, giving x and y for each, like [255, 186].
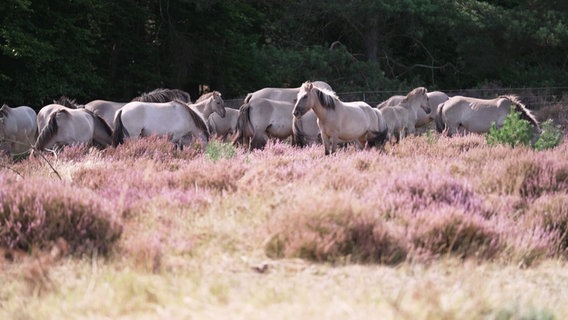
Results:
[431, 228]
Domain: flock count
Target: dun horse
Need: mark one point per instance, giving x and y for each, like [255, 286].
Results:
[176, 119]
[401, 119]
[67, 126]
[105, 109]
[422, 119]
[341, 121]
[478, 115]
[305, 130]
[18, 129]
[261, 119]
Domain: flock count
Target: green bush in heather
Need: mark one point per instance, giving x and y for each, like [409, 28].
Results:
[550, 137]
[514, 132]
[220, 150]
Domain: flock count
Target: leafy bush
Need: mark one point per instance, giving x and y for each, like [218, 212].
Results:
[550, 137]
[515, 131]
[220, 150]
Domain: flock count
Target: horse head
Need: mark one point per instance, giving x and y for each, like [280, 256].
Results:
[218, 104]
[419, 97]
[303, 103]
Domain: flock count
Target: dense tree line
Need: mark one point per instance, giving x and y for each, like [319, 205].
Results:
[91, 49]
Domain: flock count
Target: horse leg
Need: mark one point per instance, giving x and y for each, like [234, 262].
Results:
[258, 141]
[326, 143]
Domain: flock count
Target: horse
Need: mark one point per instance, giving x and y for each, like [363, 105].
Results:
[105, 109]
[401, 119]
[208, 103]
[341, 121]
[261, 119]
[175, 119]
[224, 127]
[18, 129]
[478, 115]
[281, 94]
[160, 95]
[305, 131]
[434, 99]
[66, 126]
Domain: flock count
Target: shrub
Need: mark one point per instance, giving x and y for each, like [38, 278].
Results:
[36, 213]
[515, 131]
[220, 150]
[335, 233]
[550, 137]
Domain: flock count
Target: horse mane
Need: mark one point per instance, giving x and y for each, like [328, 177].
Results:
[207, 95]
[4, 110]
[326, 97]
[164, 95]
[197, 118]
[66, 102]
[526, 114]
[49, 130]
[414, 92]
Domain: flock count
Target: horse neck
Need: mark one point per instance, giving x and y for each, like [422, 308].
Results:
[201, 106]
[320, 110]
[412, 105]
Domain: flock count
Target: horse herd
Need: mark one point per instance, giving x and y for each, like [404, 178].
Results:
[309, 114]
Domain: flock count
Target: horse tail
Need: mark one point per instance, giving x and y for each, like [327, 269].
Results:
[380, 137]
[440, 124]
[103, 137]
[48, 131]
[244, 125]
[118, 133]
[526, 114]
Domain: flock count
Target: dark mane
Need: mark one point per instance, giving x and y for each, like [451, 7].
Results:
[4, 110]
[66, 102]
[197, 118]
[49, 130]
[526, 114]
[164, 95]
[326, 98]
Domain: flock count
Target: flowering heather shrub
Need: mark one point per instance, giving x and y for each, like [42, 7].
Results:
[153, 147]
[550, 212]
[37, 212]
[134, 185]
[450, 231]
[333, 231]
[530, 175]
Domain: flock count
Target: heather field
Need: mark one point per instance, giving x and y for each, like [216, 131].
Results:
[431, 228]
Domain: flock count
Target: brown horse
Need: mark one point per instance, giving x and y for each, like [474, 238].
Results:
[478, 115]
[341, 121]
